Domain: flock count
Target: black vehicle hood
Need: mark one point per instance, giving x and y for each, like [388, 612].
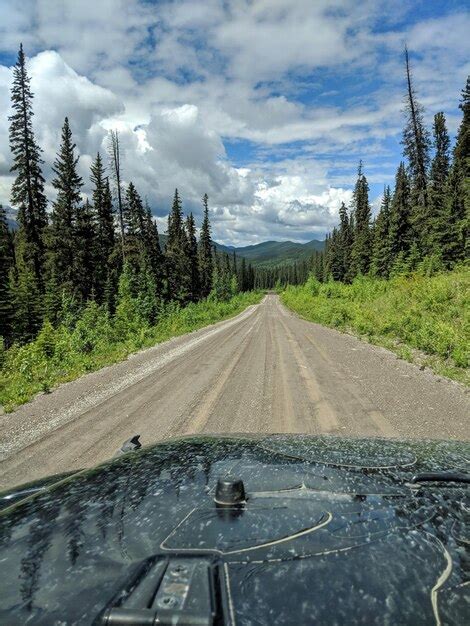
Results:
[331, 533]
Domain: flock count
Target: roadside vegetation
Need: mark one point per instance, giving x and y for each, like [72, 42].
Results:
[401, 279]
[94, 339]
[423, 319]
[84, 281]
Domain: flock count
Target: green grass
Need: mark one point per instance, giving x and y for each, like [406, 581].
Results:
[423, 319]
[63, 354]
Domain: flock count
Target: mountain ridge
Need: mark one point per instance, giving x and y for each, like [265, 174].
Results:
[267, 253]
[270, 253]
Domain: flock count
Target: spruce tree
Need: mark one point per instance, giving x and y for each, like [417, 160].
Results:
[6, 262]
[192, 259]
[361, 246]
[27, 194]
[334, 258]
[115, 157]
[177, 271]
[27, 300]
[458, 247]
[243, 276]
[153, 250]
[381, 252]
[345, 241]
[104, 222]
[134, 219]
[146, 289]
[63, 239]
[234, 263]
[85, 261]
[205, 252]
[416, 143]
[438, 229]
[400, 234]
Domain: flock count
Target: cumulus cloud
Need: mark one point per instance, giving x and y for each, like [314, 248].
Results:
[301, 89]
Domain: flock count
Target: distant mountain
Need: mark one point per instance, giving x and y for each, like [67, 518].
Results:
[270, 253]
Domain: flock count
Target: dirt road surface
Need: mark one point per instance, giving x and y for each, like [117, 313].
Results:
[264, 371]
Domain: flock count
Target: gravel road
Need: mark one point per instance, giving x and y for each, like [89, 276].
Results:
[265, 370]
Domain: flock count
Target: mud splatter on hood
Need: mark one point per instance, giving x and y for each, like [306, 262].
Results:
[332, 531]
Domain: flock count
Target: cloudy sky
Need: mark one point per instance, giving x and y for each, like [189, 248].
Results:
[266, 105]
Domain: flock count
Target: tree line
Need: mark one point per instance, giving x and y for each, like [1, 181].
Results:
[424, 220]
[104, 249]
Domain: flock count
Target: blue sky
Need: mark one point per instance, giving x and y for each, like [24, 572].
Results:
[266, 105]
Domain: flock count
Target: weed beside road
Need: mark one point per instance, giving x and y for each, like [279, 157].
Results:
[94, 340]
[424, 319]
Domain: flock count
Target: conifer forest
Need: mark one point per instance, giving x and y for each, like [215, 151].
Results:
[73, 261]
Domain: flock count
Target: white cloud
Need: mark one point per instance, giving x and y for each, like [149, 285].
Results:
[180, 78]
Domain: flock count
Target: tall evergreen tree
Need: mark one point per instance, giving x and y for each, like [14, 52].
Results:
[176, 265]
[438, 228]
[459, 187]
[361, 246]
[334, 258]
[104, 218]
[205, 252]
[134, 219]
[6, 262]
[153, 250]
[27, 194]
[234, 263]
[63, 240]
[243, 276]
[28, 307]
[115, 156]
[416, 143]
[400, 237]
[84, 259]
[192, 259]
[345, 241]
[381, 251]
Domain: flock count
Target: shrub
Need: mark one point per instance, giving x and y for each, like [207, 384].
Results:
[427, 310]
[94, 340]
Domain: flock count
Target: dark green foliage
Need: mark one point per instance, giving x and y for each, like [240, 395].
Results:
[425, 224]
[438, 226]
[416, 144]
[84, 258]
[361, 245]
[400, 228]
[28, 301]
[192, 260]
[345, 241]
[381, 249]
[459, 184]
[104, 221]
[86, 267]
[205, 252]
[243, 276]
[6, 263]
[177, 270]
[153, 251]
[334, 257]
[27, 193]
[63, 237]
[134, 219]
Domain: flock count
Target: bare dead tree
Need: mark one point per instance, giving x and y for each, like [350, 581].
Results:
[115, 157]
[416, 139]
